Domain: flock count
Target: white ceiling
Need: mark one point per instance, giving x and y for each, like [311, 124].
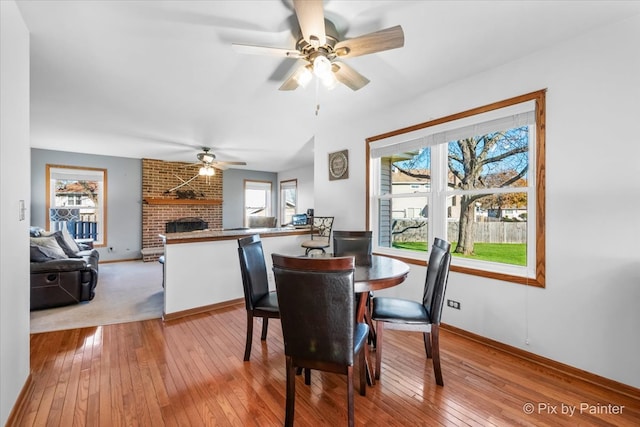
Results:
[159, 79]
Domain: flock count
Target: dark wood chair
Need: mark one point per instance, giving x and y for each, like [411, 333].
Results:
[353, 243]
[317, 309]
[397, 313]
[320, 238]
[259, 301]
[359, 245]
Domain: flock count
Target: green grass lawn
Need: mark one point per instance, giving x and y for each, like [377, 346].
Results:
[506, 253]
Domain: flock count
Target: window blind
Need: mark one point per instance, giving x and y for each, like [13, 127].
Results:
[480, 124]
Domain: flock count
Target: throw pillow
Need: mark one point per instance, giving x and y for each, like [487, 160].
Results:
[49, 246]
[69, 240]
[70, 252]
[37, 255]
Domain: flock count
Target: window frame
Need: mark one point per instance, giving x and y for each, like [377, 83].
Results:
[102, 204]
[258, 185]
[287, 185]
[537, 278]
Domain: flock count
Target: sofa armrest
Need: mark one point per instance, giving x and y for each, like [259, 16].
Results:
[59, 265]
[87, 243]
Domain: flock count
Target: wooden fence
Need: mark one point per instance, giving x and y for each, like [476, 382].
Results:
[415, 230]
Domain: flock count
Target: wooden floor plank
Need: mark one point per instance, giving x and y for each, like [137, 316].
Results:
[190, 372]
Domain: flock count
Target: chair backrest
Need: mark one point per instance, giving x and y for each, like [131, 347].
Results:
[436, 280]
[262, 221]
[254, 269]
[317, 307]
[321, 227]
[353, 243]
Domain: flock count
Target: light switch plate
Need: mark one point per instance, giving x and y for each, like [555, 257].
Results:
[21, 210]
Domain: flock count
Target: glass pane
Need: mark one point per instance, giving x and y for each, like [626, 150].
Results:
[495, 160]
[490, 227]
[410, 172]
[289, 204]
[84, 196]
[403, 223]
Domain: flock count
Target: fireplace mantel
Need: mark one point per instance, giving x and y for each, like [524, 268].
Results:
[162, 201]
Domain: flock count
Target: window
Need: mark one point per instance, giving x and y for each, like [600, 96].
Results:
[257, 199]
[475, 178]
[76, 199]
[288, 200]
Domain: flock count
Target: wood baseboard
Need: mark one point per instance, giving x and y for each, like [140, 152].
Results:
[111, 261]
[21, 402]
[203, 309]
[549, 363]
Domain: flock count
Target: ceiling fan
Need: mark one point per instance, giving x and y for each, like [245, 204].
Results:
[319, 46]
[208, 162]
[208, 165]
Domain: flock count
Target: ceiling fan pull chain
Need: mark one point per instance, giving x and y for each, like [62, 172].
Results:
[317, 96]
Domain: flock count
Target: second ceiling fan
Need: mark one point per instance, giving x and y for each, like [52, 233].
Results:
[319, 46]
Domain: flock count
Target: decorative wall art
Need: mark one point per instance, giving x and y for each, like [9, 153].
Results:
[339, 165]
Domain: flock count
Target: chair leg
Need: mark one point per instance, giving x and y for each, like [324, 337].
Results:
[427, 344]
[350, 406]
[247, 347]
[371, 339]
[307, 376]
[363, 369]
[291, 393]
[379, 329]
[435, 342]
[265, 326]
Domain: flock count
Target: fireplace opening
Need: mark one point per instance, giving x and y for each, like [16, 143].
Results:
[182, 225]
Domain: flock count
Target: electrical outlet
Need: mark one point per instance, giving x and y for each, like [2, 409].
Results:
[453, 304]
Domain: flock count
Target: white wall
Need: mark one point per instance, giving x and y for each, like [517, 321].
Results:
[587, 316]
[14, 180]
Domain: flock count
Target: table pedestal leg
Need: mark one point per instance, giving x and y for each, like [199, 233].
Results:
[362, 307]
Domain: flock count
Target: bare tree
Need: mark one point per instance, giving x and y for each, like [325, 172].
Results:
[489, 161]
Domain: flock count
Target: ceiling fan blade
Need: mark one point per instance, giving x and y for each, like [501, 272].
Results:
[222, 162]
[389, 38]
[348, 76]
[265, 50]
[311, 19]
[291, 83]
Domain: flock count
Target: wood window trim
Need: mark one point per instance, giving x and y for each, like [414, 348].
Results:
[47, 187]
[245, 220]
[540, 104]
[295, 185]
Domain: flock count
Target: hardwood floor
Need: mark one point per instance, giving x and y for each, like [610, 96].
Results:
[189, 372]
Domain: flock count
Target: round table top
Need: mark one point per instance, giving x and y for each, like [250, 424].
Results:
[384, 272]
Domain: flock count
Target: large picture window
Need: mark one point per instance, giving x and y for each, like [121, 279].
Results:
[76, 199]
[475, 179]
[257, 199]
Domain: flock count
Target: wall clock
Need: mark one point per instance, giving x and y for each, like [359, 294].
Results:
[339, 165]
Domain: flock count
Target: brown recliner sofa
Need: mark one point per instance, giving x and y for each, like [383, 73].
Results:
[58, 280]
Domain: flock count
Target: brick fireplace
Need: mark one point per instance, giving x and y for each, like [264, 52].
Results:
[202, 199]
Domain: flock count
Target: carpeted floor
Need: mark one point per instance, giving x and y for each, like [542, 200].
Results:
[126, 292]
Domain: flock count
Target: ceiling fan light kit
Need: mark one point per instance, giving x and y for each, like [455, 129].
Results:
[207, 171]
[320, 46]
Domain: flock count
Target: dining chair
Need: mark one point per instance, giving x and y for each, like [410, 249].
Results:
[317, 309]
[359, 245]
[355, 243]
[402, 314]
[320, 234]
[259, 301]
